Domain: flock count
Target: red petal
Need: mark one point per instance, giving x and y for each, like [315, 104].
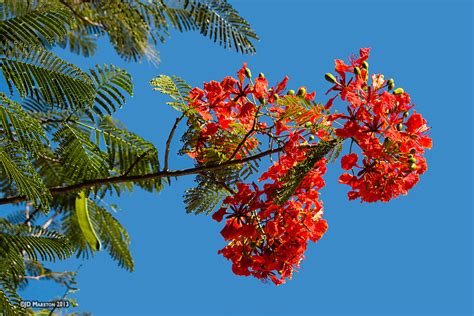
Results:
[346, 178]
[349, 161]
[219, 215]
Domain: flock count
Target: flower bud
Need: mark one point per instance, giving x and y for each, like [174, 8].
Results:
[248, 73]
[262, 100]
[412, 159]
[276, 97]
[357, 71]
[413, 167]
[365, 65]
[330, 77]
[405, 114]
[311, 137]
[308, 124]
[413, 151]
[301, 92]
[399, 126]
[261, 75]
[390, 84]
[398, 91]
[291, 92]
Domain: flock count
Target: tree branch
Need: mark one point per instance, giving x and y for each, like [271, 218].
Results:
[79, 16]
[250, 132]
[157, 175]
[139, 158]
[170, 138]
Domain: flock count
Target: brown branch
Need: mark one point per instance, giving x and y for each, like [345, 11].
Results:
[41, 276]
[157, 175]
[79, 16]
[140, 158]
[50, 220]
[250, 132]
[30, 217]
[170, 138]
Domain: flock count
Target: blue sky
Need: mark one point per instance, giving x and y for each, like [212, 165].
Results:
[411, 256]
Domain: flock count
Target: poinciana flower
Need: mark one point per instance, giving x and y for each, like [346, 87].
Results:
[392, 141]
[268, 240]
[269, 221]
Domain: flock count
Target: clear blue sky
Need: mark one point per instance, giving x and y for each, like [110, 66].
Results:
[408, 257]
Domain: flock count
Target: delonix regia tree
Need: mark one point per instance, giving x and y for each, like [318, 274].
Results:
[57, 132]
[63, 153]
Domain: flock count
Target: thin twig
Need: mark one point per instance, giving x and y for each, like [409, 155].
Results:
[30, 217]
[79, 16]
[68, 289]
[140, 158]
[50, 220]
[170, 138]
[41, 276]
[250, 132]
[221, 183]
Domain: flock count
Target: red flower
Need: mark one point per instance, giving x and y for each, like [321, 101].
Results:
[267, 240]
[260, 88]
[393, 157]
[349, 161]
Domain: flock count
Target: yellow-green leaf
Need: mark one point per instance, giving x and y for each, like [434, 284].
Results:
[83, 218]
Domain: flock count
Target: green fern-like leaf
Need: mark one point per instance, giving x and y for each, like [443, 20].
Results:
[21, 173]
[216, 19]
[131, 34]
[50, 168]
[176, 88]
[221, 23]
[110, 83]
[20, 127]
[33, 242]
[81, 158]
[12, 268]
[42, 26]
[114, 237]
[12, 8]
[295, 175]
[10, 306]
[40, 244]
[126, 150]
[203, 199]
[211, 188]
[39, 74]
[82, 38]
[20, 243]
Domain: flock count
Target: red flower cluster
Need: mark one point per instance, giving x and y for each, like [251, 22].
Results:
[226, 107]
[268, 240]
[378, 121]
